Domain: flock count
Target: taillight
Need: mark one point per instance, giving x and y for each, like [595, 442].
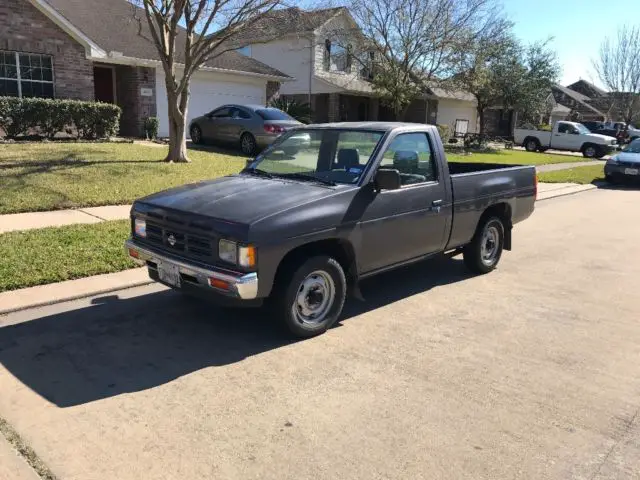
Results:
[273, 128]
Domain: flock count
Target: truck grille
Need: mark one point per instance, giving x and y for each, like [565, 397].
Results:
[173, 236]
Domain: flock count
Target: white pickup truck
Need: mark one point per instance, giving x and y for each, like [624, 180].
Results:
[570, 136]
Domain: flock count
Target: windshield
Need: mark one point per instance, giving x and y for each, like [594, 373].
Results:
[273, 114]
[633, 147]
[336, 156]
[582, 129]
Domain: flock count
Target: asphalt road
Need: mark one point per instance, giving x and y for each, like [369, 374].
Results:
[530, 372]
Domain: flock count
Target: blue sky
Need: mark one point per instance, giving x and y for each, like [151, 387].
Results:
[578, 27]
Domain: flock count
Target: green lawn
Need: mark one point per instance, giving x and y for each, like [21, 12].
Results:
[49, 176]
[517, 157]
[48, 255]
[581, 175]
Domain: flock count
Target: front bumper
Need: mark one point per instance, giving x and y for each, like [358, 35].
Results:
[243, 286]
[626, 171]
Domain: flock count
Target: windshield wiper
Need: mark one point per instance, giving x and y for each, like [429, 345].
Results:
[307, 178]
[258, 172]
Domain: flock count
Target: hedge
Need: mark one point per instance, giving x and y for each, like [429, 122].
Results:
[445, 132]
[45, 116]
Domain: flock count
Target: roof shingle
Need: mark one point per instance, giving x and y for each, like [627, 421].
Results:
[119, 26]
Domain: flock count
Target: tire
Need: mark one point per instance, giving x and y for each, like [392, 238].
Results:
[318, 286]
[531, 145]
[478, 257]
[248, 144]
[196, 134]
[590, 151]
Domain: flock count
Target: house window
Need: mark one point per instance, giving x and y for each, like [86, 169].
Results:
[26, 75]
[339, 58]
[246, 50]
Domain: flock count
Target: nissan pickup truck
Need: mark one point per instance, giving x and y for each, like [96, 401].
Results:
[300, 227]
[570, 136]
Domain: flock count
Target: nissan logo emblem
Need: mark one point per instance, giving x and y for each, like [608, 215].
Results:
[171, 239]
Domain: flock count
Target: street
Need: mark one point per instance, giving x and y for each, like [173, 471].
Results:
[530, 372]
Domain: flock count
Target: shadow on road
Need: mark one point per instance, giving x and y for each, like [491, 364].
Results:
[127, 345]
[619, 185]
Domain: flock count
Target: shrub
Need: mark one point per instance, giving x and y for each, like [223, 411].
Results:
[298, 110]
[19, 116]
[544, 127]
[445, 132]
[151, 125]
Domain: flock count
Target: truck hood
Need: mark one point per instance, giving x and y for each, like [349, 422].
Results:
[602, 139]
[240, 199]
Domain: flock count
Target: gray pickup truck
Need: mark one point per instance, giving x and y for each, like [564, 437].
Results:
[303, 223]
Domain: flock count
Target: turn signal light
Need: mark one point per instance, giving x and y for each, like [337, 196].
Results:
[219, 284]
[134, 253]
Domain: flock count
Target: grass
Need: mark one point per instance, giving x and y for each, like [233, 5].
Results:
[516, 157]
[582, 175]
[37, 257]
[50, 176]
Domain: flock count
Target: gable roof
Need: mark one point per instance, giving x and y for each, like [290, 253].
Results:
[119, 26]
[572, 93]
[287, 21]
[581, 102]
[589, 86]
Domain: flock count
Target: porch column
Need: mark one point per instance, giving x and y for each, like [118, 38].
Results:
[334, 107]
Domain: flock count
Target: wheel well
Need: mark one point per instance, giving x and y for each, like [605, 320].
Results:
[531, 138]
[503, 212]
[341, 250]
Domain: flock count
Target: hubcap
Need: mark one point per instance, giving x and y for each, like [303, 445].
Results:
[247, 144]
[314, 299]
[590, 151]
[490, 245]
[532, 145]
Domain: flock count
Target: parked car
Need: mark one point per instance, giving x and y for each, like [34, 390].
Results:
[624, 164]
[252, 127]
[361, 199]
[570, 136]
[593, 126]
[631, 132]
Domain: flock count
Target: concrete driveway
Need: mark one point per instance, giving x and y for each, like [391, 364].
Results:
[531, 372]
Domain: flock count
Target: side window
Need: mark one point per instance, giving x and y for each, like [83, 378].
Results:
[244, 114]
[223, 112]
[353, 150]
[563, 128]
[410, 154]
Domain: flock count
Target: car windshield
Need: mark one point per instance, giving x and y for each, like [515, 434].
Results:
[273, 114]
[323, 155]
[582, 129]
[633, 147]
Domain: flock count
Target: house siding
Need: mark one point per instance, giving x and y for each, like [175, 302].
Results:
[290, 55]
[24, 28]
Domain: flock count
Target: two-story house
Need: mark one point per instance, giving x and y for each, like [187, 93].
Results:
[315, 49]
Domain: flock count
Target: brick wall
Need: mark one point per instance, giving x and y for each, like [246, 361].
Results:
[135, 107]
[24, 28]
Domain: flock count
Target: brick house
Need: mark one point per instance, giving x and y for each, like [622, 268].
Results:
[100, 50]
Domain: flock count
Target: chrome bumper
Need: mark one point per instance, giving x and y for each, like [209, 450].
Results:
[241, 285]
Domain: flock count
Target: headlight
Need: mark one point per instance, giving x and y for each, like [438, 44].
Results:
[228, 251]
[140, 227]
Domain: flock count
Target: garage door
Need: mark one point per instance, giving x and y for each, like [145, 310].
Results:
[208, 91]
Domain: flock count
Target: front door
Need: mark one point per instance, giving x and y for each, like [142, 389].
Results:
[103, 84]
[213, 128]
[566, 137]
[399, 225]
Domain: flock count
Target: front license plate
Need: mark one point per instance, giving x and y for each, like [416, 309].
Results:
[169, 274]
[631, 171]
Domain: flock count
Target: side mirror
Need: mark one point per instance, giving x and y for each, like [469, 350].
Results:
[387, 179]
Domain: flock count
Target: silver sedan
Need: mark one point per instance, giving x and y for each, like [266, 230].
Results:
[624, 164]
[252, 127]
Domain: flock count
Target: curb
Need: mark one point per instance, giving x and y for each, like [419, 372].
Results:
[50, 290]
[574, 191]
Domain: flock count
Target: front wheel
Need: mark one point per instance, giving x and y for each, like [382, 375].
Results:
[247, 144]
[196, 134]
[313, 297]
[590, 151]
[483, 253]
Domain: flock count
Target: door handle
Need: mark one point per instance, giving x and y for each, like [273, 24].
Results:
[436, 205]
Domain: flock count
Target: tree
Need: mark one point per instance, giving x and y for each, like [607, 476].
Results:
[498, 70]
[618, 68]
[187, 34]
[416, 42]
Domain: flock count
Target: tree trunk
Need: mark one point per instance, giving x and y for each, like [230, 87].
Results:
[177, 125]
[481, 118]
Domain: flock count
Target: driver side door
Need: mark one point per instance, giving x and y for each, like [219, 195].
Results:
[213, 126]
[566, 137]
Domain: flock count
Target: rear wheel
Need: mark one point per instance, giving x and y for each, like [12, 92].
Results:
[483, 253]
[531, 145]
[247, 144]
[311, 300]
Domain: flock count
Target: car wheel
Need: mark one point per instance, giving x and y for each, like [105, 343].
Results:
[531, 145]
[196, 134]
[247, 144]
[483, 253]
[590, 151]
[312, 298]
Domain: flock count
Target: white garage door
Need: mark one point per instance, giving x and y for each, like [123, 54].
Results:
[208, 91]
